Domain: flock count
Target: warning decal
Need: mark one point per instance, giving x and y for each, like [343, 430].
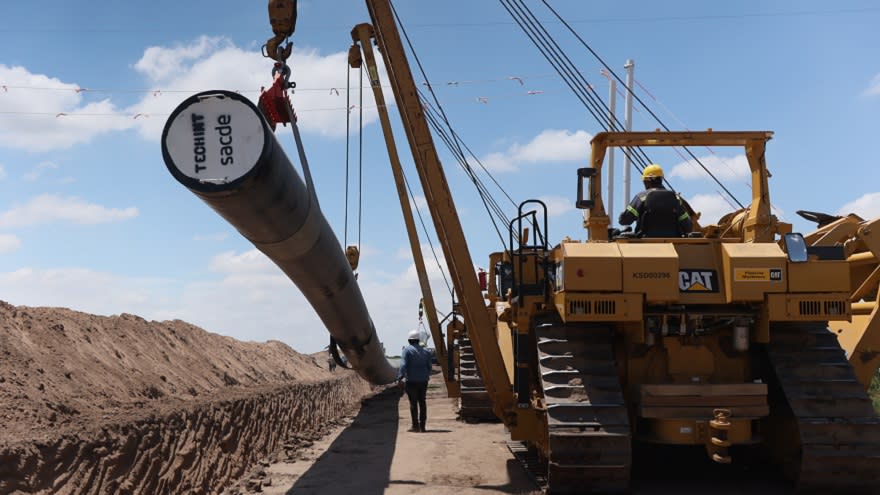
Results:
[757, 274]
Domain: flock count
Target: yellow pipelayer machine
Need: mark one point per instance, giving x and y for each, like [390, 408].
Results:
[589, 350]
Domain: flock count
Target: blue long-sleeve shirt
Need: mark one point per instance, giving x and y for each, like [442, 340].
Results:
[415, 364]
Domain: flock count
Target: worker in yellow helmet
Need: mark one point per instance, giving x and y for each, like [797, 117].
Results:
[657, 211]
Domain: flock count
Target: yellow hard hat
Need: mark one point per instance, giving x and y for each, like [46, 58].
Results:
[652, 171]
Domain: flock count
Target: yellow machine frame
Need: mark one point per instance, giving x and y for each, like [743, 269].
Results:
[750, 269]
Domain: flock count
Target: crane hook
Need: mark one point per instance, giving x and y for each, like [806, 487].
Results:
[275, 50]
[282, 17]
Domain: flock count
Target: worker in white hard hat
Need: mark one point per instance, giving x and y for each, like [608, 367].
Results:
[415, 371]
[657, 211]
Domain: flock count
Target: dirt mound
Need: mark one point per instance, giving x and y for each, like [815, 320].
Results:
[93, 404]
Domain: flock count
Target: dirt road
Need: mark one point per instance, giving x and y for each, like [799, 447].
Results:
[374, 454]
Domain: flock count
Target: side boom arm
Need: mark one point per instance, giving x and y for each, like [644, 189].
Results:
[439, 199]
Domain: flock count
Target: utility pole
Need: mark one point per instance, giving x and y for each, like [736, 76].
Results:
[612, 110]
[628, 108]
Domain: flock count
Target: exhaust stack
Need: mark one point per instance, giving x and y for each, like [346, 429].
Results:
[218, 145]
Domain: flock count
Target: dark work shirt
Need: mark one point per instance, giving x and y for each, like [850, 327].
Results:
[636, 211]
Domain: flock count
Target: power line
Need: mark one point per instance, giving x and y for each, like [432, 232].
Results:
[566, 69]
[480, 100]
[641, 102]
[323, 27]
[437, 118]
[710, 17]
[4, 88]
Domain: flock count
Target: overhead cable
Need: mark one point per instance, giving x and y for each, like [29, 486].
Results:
[636, 97]
[438, 115]
[575, 80]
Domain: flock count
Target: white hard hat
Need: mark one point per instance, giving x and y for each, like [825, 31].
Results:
[413, 335]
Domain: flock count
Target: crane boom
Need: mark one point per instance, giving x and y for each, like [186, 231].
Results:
[362, 33]
[439, 198]
[589, 350]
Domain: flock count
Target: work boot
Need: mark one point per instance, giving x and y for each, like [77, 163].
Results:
[422, 427]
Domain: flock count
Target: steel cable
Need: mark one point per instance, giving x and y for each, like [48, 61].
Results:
[575, 80]
[453, 145]
[635, 96]
[347, 145]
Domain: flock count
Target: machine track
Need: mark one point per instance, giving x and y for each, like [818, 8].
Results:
[838, 429]
[589, 430]
[474, 403]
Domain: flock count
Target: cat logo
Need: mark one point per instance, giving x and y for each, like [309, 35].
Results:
[697, 280]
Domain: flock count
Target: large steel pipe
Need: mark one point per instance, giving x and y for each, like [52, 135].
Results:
[218, 145]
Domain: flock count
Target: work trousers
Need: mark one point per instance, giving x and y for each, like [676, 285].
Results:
[418, 405]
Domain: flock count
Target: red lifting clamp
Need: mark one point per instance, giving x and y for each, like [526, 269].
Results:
[275, 102]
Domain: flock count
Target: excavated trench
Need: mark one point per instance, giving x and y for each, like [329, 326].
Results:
[199, 449]
[118, 405]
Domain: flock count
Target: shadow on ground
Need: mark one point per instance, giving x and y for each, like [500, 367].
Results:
[688, 470]
[519, 477]
[359, 460]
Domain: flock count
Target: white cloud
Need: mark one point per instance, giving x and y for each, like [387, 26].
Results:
[557, 205]
[867, 206]
[84, 290]
[47, 208]
[55, 114]
[9, 243]
[419, 202]
[47, 108]
[39, 169]
[250, 298]
[551, 145]
[498, 162]
[2, 173]
[724, 168]
[873, 87]
[175, 72]
[710, 206]
[252, 307]
[403, 253]
[159, 64]
[393, 298]
[247, 307]
[250, 262]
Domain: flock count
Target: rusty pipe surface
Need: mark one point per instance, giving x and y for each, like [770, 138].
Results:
[218, 146]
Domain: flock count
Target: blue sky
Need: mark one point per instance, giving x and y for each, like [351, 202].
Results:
[90, 219]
